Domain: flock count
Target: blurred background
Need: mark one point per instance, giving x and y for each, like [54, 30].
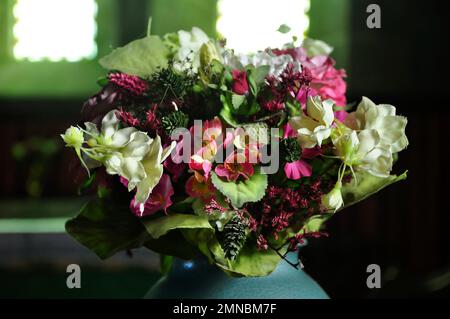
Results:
[48, 54]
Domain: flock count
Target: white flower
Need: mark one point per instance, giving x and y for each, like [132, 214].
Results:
[153, 166]
[127, 152]
[119, 150]
[190, 44]
[382, 118]
[363, 151]
[314, 128]
[333, 200]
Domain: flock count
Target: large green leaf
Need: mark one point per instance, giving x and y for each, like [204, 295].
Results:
[161, 226]
[250, 190]
[353, 193]
[140, 57]
[366, 185]
[227, 116]
[195, 231]
[107, 228]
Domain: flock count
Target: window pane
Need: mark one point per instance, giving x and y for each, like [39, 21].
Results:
[250, 25]
[55, 29]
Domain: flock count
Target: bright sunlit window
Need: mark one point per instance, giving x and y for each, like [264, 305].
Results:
[55, 30]
[250, 25]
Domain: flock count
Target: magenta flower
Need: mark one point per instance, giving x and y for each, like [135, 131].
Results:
[301, 168]
[289, 131]
[160, 198]
[297, 169]
[326, 81]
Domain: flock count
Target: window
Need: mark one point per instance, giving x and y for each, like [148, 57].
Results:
[251, 25]
[49, 48]
[55, 30]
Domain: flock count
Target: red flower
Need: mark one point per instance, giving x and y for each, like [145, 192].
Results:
[240, 84]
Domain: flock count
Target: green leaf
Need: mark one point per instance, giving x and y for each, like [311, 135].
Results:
[250, 262]
[161, 226]
[294, 108]
[172, 244]
[366, 186]
[260, 73]
[314, 223]
[284, 28]
[140, 57]
[107, 228]
[237, 100]
[253, 85]
[250, 190]
[227, 116]
[102, 81]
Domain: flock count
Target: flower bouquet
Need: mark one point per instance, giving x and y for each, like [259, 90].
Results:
[191, 149]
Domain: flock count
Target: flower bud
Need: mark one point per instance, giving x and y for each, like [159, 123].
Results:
[73, 137]
[333, 200]
[208, 53]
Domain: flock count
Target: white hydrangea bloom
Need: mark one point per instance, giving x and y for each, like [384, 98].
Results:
[276, 63]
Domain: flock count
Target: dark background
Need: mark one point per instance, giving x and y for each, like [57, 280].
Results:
[404, 229]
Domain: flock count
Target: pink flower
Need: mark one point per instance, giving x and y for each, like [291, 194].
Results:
[301, 168]
[326, 80]
[213, 139]
[158, 200]
[297, 169]
[235, 166]
[289, 131]
[240, 84]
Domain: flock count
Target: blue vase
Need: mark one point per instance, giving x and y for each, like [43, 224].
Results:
[197, 279]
